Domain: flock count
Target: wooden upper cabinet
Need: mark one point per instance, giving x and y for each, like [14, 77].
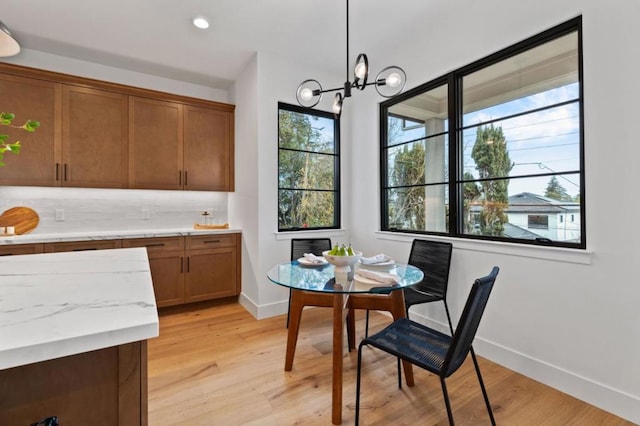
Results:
[39, 100]
[155, 144]
[208, 149]
[94, 134]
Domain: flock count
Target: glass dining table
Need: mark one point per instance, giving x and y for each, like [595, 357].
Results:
[305, 279]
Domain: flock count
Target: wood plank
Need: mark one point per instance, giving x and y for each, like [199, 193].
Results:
[219, 365]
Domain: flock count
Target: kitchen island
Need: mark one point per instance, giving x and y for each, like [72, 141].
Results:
[73, 331]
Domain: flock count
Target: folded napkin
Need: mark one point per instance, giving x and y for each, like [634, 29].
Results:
[312, 258]
[382, 277]
[378, 258]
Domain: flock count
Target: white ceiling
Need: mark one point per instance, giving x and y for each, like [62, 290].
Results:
[156, 36]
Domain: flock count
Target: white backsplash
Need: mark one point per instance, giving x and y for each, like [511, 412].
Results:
[114, 209]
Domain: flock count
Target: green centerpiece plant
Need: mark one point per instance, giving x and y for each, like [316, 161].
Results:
[6, 119]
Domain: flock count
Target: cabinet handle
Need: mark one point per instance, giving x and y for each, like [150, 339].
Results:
[211, 241]
[186, 178]
[180, 177]
[65, 171]
[188, 263]
[155, 245]
[181, 264]
[85, 249]
[57, 171]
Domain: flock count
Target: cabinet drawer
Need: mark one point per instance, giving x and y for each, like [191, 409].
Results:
[13, 249]
[199, 242]
[155, 244]
[82, 245]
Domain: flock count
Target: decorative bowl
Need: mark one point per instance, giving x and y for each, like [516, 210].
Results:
[341, 261]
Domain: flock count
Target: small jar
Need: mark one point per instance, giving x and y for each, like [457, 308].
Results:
[206, 218]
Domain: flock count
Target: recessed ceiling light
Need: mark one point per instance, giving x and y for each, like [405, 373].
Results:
[201, 23]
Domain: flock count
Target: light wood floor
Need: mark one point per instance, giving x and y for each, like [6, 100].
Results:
[217, 365]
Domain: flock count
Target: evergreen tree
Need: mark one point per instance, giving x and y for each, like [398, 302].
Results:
[556, 191]
[492, 161]
[470, 193]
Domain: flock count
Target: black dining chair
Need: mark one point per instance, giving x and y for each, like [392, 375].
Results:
[433, 258]
[432, 350]
[301, 246]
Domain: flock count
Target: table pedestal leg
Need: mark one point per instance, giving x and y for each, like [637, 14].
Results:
[338, 337]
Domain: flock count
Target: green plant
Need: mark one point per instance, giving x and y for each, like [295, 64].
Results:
[6, 119]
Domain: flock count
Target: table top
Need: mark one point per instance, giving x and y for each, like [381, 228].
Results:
[321, 278]
[58, 304]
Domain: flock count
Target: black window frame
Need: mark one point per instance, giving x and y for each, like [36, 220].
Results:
[453, 80]
[336, 158]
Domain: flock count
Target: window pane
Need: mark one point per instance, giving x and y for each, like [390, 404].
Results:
[306, 209]
[525, 215]
[541, 76]
[536, 143]
[417, 117]
[306, 132]
[308, 169]
[421, 208]
[304, 170]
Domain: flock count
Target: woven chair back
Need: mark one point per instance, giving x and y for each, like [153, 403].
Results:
[434, 259]
[469, 322]
[300, 246]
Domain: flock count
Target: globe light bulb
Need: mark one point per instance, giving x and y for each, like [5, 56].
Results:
[337, 104]
[306, 94]
[361, 70]
[394, 80]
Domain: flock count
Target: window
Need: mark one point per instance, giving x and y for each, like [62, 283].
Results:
[538, 221]
[308, 169]
[493, 150]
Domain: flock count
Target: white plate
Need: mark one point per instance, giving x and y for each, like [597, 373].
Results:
[382, 266]
[304, 262]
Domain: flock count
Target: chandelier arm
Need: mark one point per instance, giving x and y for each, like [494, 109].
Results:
[347, 61]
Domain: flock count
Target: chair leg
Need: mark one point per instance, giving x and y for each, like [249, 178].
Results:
[358, 374]
[446, 401]
[366, 325]
[399, 374]
[484, 390]
[446, 308]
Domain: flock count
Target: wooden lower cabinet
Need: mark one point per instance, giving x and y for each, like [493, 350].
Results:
[105, 387]
[183, 269]
[192, 269]
[166, 260]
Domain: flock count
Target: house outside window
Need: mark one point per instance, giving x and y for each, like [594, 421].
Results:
[308, 169]
[491, 145]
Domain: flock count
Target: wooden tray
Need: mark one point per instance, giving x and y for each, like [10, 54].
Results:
[23, 219]
[201, 226]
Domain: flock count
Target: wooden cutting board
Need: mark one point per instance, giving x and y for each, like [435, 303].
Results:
[23, 219]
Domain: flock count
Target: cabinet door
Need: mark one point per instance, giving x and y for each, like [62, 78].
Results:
[167, 274]
[208, 149]
[14, 249]
[211, 274]
[95, 132]
[155, 144]
[32, 99]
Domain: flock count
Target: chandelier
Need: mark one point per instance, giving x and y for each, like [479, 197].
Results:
[389, 82]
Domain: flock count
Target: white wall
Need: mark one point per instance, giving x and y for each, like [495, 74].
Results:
[267, 80]
[569, 320]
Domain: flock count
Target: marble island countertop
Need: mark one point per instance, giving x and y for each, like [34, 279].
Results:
[58, 304]
[110, 235]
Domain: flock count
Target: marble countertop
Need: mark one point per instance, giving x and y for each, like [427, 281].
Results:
[110, 235]
[58, 304]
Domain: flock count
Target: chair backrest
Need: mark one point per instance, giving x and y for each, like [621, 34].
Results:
[300, 246]
[434, 259]
[469, 322]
